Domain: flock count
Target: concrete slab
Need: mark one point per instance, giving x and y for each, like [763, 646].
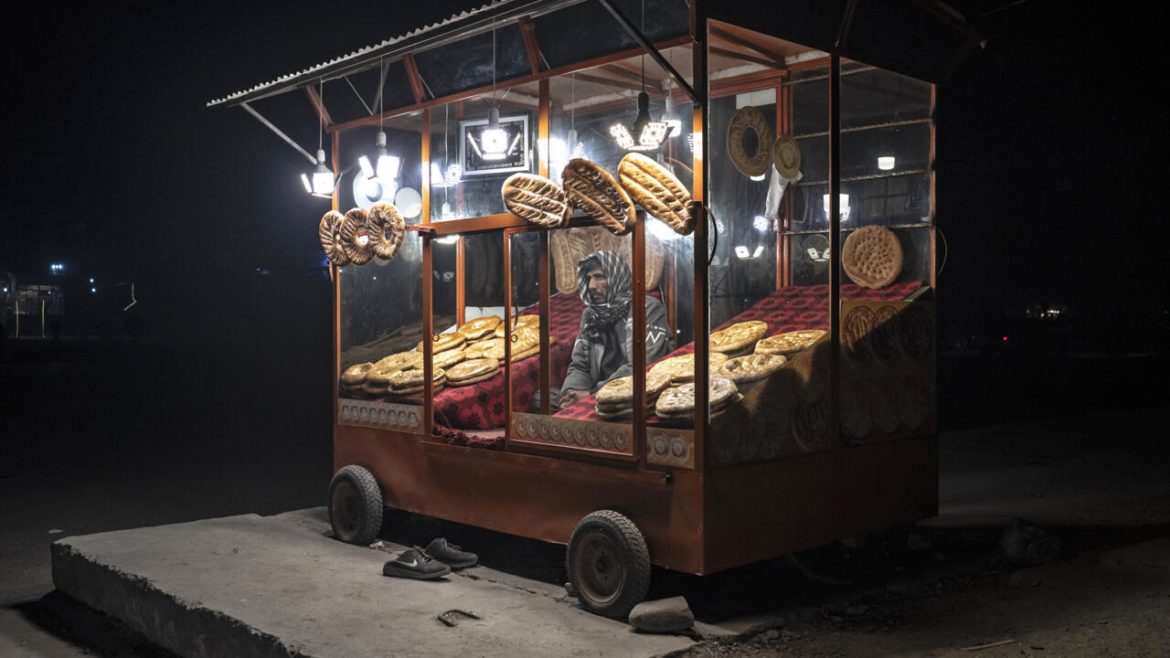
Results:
[263, 586]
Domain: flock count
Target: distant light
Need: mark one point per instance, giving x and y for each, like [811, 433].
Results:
[757, 178]
[1004, 339]
[57, 268]
[886, 162]
[761, 223]
[844, 203]
[448, 239]
[6, 289]
[741, 251]
[91, 279]
[93, 290]
[759, 250]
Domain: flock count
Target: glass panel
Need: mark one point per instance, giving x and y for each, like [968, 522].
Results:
[769, 298]
[526, 324]
[381, 317]
[470, 404]
[887, 341]
[466, 171]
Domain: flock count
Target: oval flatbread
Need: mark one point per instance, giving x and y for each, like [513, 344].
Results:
[679, 400]
[744, 369]
[471, 369]
[592, 189]
[447, 341]
[738, 337]
[356, 374]
[653, 187]
[536, 200]
[872, 257]
[622, 388]
[681, 369]
[789, 343]
[480, 327]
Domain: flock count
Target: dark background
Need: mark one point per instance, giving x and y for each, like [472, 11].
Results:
[1050, 179]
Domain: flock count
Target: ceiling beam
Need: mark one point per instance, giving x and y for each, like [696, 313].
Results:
[531, 46]
[745, 57]
[319, 107]
[724, 35]
[610, 82]
[412, 75]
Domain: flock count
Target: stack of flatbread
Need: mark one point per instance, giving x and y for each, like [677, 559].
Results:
[738, 339]
[789, 343]
[353, 380]
[681, 369]
[472, 371]
[677, 404]
[615, 400]
[518, 321]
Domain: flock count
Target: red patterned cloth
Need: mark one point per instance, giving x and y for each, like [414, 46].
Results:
[787, 309]
[481, 406]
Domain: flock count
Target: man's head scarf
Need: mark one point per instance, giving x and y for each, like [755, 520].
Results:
[618, 292]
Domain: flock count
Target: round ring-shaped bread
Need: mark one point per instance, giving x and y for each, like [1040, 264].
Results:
[745, 119]
[329, 232]
[872, 256]
[387, 229]
[355, 237]
[786, 156]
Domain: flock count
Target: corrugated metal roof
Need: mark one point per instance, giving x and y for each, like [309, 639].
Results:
[394, 47]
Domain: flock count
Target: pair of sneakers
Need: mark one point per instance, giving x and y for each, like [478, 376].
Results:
[435, 561]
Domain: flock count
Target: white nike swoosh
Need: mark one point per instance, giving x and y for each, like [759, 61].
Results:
[412, 563]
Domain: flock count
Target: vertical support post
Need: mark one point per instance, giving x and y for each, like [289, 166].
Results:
[460, 280]
[543, 129]
[784, 122]
[335, 281]
[425, 135]
[834, 247]
[508, 336]
[702, 320]
[933, 207]
[428, 329]
[638, 340]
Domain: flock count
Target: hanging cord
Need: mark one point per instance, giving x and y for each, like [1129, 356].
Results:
[381, 93]
[321, 117]
[494, 64]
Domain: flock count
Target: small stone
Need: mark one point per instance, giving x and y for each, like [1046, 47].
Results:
[56, 531]
[771, 635]
[671, 615]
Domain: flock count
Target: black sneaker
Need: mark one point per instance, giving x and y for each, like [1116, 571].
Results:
[414, 563]
[451, 555]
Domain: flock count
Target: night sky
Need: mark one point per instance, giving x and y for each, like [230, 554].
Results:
[1050, 162]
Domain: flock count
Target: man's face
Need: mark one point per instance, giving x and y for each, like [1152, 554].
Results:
[597, 284]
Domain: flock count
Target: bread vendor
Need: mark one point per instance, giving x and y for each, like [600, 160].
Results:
[603, 349]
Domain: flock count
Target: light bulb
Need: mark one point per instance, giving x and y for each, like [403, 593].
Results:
[494, 139]
[885, 162]
[322, 177]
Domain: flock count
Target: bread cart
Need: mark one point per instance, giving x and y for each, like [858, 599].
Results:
[787, 150]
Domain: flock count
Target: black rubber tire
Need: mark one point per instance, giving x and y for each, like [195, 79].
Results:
[355, 505]
[608, 564]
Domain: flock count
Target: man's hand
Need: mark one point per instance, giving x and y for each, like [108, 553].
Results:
[569, 396]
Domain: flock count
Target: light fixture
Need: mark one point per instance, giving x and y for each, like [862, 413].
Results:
[321, 184]
[741, 251]
[761, 223]
[493, 140]
[651, 134]
[885, 162]
[844, 199]
[448, 239]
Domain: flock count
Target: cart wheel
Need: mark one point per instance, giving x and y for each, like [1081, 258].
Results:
[355, 505]
[608, 564]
